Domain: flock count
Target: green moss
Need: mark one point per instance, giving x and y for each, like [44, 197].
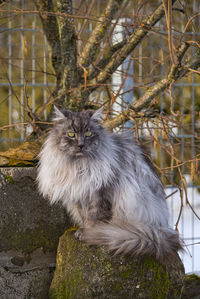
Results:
[9, 179]
[90, 272]
[66, 286]
[127, 272]
[33, 239]
[103, 26]
[191, 287]
[192, 277]
[64, 289]
[108, 266]
[107, 54]
[161, 282]
[151, 263]
[30, 239]
[117, 286]
[59, 294]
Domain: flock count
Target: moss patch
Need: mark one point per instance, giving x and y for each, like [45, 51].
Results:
[192, 277]
[90, 272]
[192, 287]
[30, 239]
[9, 179]
[161, 282]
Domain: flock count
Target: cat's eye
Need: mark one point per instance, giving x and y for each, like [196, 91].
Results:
[71, 134]
[88, 133]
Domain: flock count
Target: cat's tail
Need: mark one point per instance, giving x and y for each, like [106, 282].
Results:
[136, 239]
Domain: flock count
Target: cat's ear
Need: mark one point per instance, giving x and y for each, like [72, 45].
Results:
[97, 115]
[58, 115]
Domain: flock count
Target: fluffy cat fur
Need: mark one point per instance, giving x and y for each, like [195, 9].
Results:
[108, 185]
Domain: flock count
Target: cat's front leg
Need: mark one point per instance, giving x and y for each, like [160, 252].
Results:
[82, 231]
[79, 234]
[83, 216]
[76, 212]
[97, 210]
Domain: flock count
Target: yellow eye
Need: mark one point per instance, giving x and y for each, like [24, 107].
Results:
[88, 134]
[71, 134]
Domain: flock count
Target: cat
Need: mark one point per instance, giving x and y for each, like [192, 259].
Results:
[108, 185]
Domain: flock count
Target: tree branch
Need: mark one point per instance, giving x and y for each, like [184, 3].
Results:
[107, 51]
[176, 72]
[131, 44]
[105, 59]
[90, 50]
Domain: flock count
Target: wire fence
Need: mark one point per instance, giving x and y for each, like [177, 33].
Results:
[26, 77]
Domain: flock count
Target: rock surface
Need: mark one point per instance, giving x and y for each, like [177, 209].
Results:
[29, 233]
[30, 285]
[192, 287]
[90, 272]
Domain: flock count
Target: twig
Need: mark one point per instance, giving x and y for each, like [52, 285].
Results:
[186, 26]
[194, 71]
[181, 196]
[191, 244]
[171, 194]
[168, 13]
[88, 14]
[24, 123]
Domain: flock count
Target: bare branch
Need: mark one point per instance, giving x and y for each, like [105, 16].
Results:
[168, 13]
[176, 72]
[131, 44]
[186, 26]
[18, 11]
[90, 50]
[88, 13]
[107, 51]
[105, 59]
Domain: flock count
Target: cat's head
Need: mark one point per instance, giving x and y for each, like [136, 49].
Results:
[78, 134]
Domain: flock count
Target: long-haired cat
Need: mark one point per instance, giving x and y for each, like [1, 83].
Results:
[108, 185]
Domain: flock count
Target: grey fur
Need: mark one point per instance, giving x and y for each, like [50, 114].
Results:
[107, 185]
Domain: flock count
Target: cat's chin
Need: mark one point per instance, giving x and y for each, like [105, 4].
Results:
[79, 155]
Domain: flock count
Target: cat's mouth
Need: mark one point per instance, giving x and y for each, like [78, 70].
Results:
[80, 153]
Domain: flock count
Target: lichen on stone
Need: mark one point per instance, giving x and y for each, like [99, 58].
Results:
[91, 272]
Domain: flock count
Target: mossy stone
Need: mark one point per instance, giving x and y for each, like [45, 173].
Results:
[192, 287]
[91, 272]
[27, 221]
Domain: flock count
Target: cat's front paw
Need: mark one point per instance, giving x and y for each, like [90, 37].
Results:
[79, 234]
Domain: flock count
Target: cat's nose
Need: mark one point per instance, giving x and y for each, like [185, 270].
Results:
[81, 145]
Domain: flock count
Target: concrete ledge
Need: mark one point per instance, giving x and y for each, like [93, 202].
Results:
[29, 232]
